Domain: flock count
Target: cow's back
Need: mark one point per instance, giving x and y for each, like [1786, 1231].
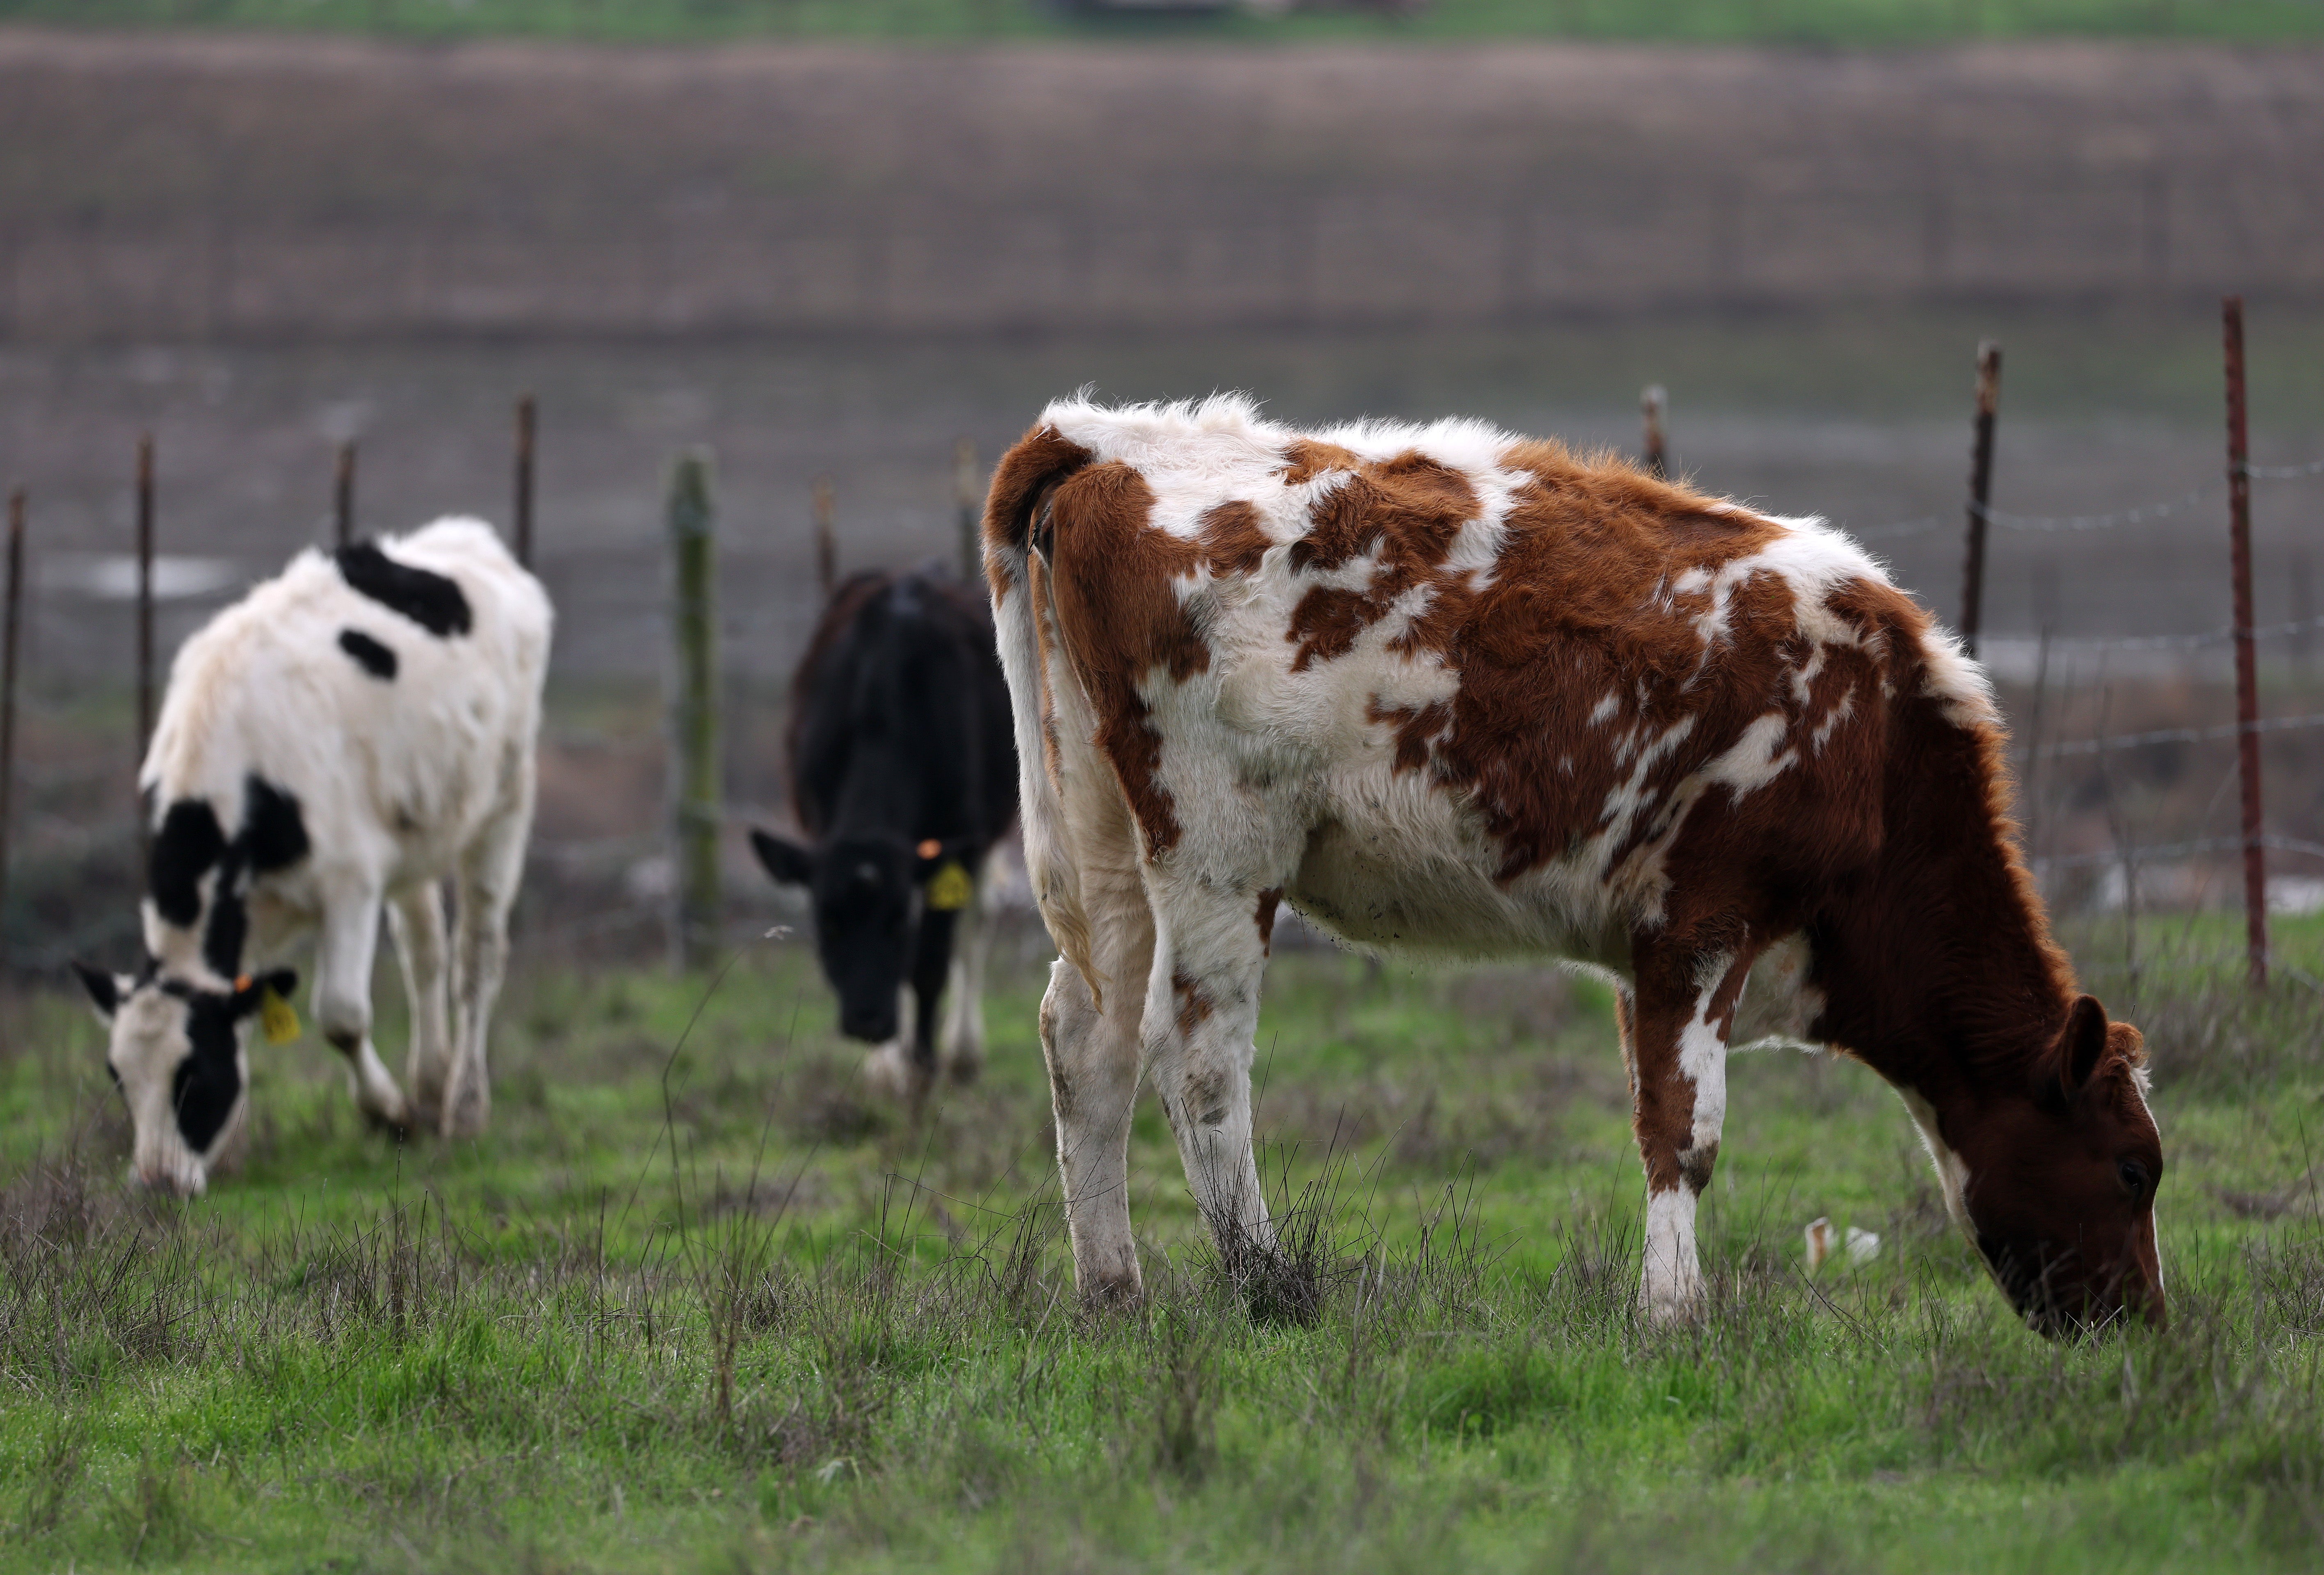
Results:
[900, 677]
[1515, 699]
[393, 710]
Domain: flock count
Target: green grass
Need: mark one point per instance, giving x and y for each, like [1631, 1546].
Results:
[744, 1319]
[1811, 22]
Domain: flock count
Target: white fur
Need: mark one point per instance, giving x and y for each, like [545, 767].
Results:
[400, 785]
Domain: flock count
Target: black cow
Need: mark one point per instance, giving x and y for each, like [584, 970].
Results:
[903, 769]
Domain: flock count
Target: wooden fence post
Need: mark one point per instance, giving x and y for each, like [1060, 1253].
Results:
[968, 497]
[1656, 457]
[343, 494]
[524, 425]
[694, 714]
[826, 542]
[144, 633]
[8, 646]
[1980, 491]
[2246, 667]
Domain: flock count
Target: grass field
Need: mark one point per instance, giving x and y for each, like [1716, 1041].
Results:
[695, 1304]
[1822, 22]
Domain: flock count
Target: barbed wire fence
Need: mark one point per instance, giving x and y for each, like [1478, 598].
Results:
[73, 810]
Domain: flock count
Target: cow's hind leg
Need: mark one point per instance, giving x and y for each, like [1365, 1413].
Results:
[1202, 1009]
[342, 960]
[1674, 1029]
[416, 917]
[489, 872]
[1091, 1050]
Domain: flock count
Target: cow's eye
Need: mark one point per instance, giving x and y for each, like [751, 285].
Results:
[2134, 1178]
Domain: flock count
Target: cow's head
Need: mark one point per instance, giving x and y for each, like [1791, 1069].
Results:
[2062, 1175]
[867, 892]
[177, 1054]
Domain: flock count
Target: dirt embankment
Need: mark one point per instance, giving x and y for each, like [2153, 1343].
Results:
[159, 185]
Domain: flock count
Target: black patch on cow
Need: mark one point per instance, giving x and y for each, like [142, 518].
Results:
[101, 986]
[370, 654]
[429, 599]
[207, 1081]
[273, 836]
[188, 843]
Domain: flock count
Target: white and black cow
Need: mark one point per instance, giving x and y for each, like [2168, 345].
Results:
[903, 767]
[345, 736]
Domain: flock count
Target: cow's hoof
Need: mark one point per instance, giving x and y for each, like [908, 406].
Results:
[887, 1072]
[1113, 1295]
[964, 1069]
[395, 1124]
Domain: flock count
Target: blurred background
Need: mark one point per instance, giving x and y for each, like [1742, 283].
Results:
[831, 241]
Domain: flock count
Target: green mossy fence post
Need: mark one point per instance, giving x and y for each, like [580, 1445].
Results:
[694, 714]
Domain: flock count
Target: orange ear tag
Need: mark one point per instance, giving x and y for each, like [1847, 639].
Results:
[931, 848]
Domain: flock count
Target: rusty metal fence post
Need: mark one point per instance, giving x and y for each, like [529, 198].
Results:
[2246, 666]
[144, 633]
[8, 647]
[343, 494]
[694, 714]
[827, 541]
[523, 522]
[1980, 491]
[1655, 456]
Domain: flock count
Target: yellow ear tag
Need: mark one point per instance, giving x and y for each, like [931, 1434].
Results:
[278, 1018]
[949, 889]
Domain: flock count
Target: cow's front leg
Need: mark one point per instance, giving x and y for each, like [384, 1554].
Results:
[1674, 1028]
[931, 964]
[1202, 1009]
[342, 960]
[961, 1047]
[416, 917]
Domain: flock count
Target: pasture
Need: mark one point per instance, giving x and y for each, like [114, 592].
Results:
[695, 1302]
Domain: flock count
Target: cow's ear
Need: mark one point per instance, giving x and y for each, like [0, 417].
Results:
[105, 990]
[787, 862]
[2082, 1045]
[250, 994]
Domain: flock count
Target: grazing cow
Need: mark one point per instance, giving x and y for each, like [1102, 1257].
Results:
[1447, 691]
[904, 769]
[347, 735]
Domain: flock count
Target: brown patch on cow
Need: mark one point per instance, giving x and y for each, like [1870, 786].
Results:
[1034, 464]
[1406, 511]
[1120, 616]
[1233, 541]
[1194, 1006]
[1694, 1167]
[1206, 1095]
[1306, 459]
[1268, 899]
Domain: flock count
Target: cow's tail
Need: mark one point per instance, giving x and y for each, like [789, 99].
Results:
[1016, 564]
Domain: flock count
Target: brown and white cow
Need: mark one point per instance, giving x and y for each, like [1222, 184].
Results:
[1450, 692]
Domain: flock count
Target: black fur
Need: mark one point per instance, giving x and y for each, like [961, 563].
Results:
[429, 599]
[209, 1079]
[900, 737]
[188, 843]
[273, 836]
[370, 654]
[101, 988]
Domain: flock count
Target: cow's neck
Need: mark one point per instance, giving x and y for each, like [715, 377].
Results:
[1939, 970]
